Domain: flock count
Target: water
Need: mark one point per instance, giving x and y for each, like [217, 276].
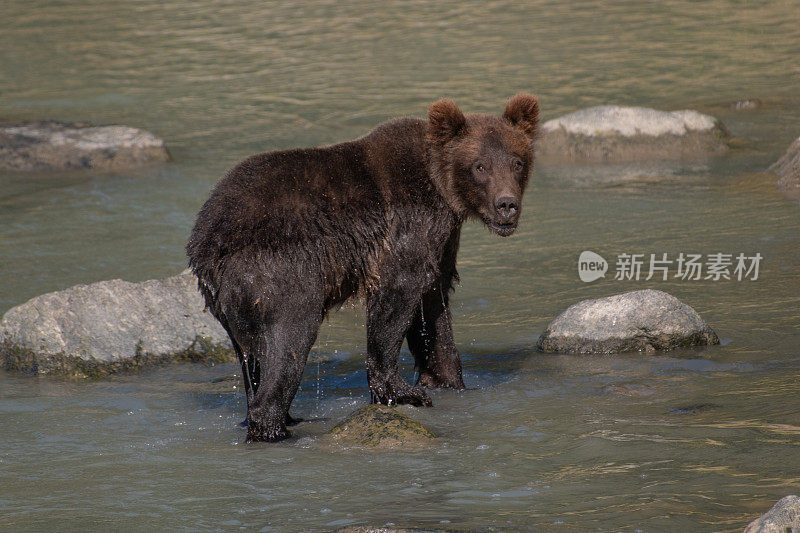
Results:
[699, 439]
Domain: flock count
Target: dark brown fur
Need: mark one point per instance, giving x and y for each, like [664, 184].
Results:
[286, 236]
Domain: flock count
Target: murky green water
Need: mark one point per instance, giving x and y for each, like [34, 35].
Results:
[689, 440]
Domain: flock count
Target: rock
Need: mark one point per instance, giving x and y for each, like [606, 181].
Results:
[693, 409]
[111, 326]
[784, 517]
[638, 320]
[615, 133]
[50, 145]
[635, 391]
[217, 386]
[370, 529]
[748, 104]
[378, 426]
[788, 169]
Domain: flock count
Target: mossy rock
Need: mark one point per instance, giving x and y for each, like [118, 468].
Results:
[22, 360]
[381, 427]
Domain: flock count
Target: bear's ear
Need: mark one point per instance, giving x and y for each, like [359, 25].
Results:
[523, 110]
[446, 121]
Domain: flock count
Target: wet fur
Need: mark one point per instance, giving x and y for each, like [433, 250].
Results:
[286, 236]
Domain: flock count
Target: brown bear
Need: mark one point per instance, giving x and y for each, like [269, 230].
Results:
[285, 236]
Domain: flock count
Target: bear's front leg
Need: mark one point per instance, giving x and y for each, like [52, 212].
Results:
[389, 315]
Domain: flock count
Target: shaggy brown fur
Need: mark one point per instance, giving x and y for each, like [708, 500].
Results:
[286, 236]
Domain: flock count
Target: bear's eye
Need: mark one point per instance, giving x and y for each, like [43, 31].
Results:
[480, 168]
[517, 165]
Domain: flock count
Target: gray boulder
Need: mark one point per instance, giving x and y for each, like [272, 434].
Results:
[111, 326]
[616, 133]
[50, 145]
[633, 321]
[371, 529]
[748, 104]
[784, 517]
[788, 170]
[381, 427]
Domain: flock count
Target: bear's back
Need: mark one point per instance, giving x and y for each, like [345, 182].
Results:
[318, 206]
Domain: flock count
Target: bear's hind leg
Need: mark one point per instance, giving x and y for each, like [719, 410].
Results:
[248, 363]
[281, 350]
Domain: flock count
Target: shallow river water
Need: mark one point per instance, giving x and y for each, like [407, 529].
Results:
[690, 440]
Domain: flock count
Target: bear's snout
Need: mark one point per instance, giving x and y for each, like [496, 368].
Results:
[506, 214]
[507, 208]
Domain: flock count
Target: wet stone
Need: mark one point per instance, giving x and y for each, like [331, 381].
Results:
[693, 409]
[788, 170]
[370, 529]
[784, 517]
[634, 391]
[748, 104]
[222, 385]
[378, 426]
[50, 145]
[617, 133]
[645, 320]
[112, 326]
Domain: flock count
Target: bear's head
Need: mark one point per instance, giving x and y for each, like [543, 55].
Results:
[480, 163]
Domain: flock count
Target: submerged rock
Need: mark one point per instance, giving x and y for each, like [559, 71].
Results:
[693, 409]
[51, 145]
[784, 517]
[788, 169]
[379, 426]
[635, 391]
[638, 320]
[748, 104]
[110, 326]
[223, 385]
[370, 529]
[616, 133]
